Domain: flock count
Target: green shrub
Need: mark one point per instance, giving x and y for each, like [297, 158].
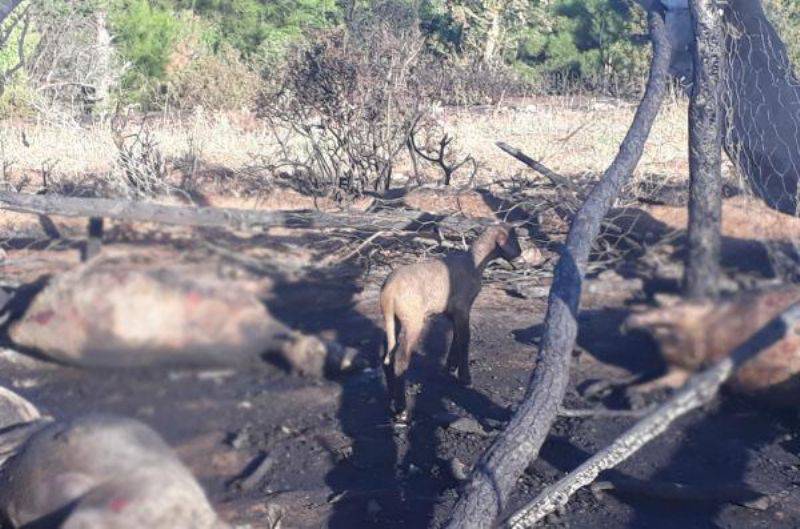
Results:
[785, 15]
[263, 28]
[588, 40]
[15, 91]
[219, 81]
[16, 98]
[146, 34]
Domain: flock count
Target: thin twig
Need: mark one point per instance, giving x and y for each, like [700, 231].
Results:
[360, 247]
[255, 473]
[601, 412]
[698, 391]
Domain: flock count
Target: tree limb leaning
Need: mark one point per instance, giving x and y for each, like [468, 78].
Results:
[496, 473]
[555, 178]
[697, 391]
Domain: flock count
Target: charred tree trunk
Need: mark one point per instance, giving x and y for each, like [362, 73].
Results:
[701, 276]
[495, 474]
[94, 241]
[101, 103]
[494, 18]
[6, 7]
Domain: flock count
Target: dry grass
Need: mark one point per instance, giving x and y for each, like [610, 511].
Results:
[224, 140]
[572, 136]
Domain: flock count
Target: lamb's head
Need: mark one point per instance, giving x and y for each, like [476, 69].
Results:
[506, 242]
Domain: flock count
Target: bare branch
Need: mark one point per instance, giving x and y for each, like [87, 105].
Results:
[440, 158]
[556, 179]
[698, 391]
[357, 249]
[496, 473]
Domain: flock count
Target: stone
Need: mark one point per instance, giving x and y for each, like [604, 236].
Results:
[467, 425]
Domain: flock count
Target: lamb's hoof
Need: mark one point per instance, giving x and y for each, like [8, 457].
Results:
[400, 418]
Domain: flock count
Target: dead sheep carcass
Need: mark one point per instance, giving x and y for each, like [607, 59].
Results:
[114, 314]
[692, 334]
[101, 472]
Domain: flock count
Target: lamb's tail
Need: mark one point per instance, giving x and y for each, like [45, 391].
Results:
[387, 306]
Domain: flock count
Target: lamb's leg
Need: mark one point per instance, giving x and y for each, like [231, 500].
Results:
[388, 371]
[452, 353]
[460, 347]
[402, 358]
[394, 330]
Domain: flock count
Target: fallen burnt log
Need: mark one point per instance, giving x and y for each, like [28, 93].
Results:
[235, 218]
[556, 179]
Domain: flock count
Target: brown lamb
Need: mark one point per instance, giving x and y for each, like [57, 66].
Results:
[449, 286]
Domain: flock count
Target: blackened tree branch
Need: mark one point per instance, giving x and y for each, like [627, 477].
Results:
[701, 275]
[494, 476]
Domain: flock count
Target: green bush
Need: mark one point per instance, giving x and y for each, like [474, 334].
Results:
[219, 81]
[587, 40]
[15, 91]
[785, 15]
[262, 28]
[146, 34]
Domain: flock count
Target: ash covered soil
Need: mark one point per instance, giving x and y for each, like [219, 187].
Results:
[336, 460]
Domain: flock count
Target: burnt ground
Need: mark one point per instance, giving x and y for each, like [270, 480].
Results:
[340, 463]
